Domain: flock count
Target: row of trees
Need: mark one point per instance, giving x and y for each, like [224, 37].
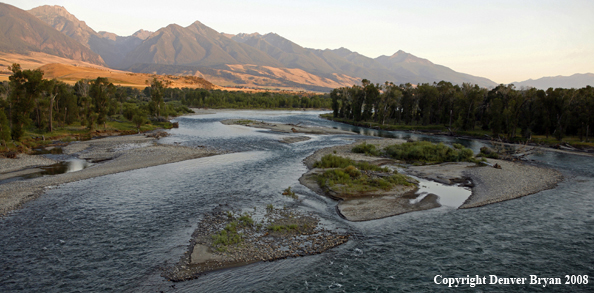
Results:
[201, 98]
[29, 101]
[503, 110]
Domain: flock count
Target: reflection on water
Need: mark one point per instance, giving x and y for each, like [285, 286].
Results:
[449, 195]
[67, 166]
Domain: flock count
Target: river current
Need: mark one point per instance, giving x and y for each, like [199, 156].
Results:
[116, 233]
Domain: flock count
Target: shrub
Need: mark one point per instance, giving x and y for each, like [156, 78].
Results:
[352, 171]
[426, 152]
[289, 193]
[332, 161]
[367, 149]
[246, 220]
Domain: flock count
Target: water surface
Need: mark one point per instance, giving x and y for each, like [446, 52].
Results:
[116, 232]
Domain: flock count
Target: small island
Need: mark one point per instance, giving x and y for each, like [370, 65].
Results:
[286, 128]
[227, 238]
[356, 175]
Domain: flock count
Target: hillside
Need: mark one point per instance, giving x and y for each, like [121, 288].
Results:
[111, 47]
[24, 33]
[247, 60]
[574, 81]
[71, 74]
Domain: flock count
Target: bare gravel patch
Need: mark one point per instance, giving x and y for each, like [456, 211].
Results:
[513, 180]
[23, 161]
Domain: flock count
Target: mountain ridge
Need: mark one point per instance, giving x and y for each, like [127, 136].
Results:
[577, 80]
[23, 33]
[198, 48]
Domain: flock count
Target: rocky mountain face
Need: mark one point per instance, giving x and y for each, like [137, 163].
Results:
[246, 59]
[111, 47]
[23, 33]
[577, 80]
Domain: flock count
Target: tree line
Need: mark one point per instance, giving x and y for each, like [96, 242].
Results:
[505, 111]
[201, 98]
[28, 102]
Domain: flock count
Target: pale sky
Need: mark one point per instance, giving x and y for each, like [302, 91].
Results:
[502, 40]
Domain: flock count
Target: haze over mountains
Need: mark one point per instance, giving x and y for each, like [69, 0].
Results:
[251, 60]
[574, 81]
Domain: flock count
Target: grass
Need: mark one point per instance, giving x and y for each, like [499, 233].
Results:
[244, 121]
[425, 152]
[230, 235]
[332, 161]
[351, 180]
[367, 149]
[289, 193]
[283, 228]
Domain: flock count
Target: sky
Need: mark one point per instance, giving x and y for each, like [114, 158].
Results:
[505, 41]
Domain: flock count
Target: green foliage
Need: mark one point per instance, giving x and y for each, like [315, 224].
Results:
[289, 193]
[367, 149]
[201, 98]
[283, 228]
[427, 152]
[246, 220]
[332, 161]
[351, 180]
[502, 112]
[488, 153]
[244, 121]
[4, 128]
[269, 207]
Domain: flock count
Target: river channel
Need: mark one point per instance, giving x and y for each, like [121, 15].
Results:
[117, 232]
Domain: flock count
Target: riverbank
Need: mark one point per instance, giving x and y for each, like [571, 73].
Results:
[489, 184]
[441, 131]
[110, 155]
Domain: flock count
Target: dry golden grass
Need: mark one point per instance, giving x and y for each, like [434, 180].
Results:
[266, 78]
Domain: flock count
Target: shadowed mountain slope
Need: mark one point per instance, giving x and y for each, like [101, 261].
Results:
[111, 47]
[22, 32]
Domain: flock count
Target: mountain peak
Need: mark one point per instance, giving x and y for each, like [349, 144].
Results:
[142, 34]
[243, 37]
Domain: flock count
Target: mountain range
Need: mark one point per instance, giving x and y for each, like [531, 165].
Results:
[574, 81]
[242, 60]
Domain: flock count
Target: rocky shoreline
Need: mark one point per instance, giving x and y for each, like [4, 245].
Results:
[489, 185]
[110, 155]
[282, 233]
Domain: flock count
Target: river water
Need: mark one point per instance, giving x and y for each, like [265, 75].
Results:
[117, 232]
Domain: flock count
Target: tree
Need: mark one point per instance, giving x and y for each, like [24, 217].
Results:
[4, 128]
[139, 119]
[26, 90]
[100, 92]
[157, 89]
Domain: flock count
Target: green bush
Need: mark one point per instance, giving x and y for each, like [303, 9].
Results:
[332, 161]
[367, 149]
[427, 152]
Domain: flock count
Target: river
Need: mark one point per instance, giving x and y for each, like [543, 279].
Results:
[117, 232]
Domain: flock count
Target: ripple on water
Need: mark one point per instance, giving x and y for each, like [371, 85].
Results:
[118, 230]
